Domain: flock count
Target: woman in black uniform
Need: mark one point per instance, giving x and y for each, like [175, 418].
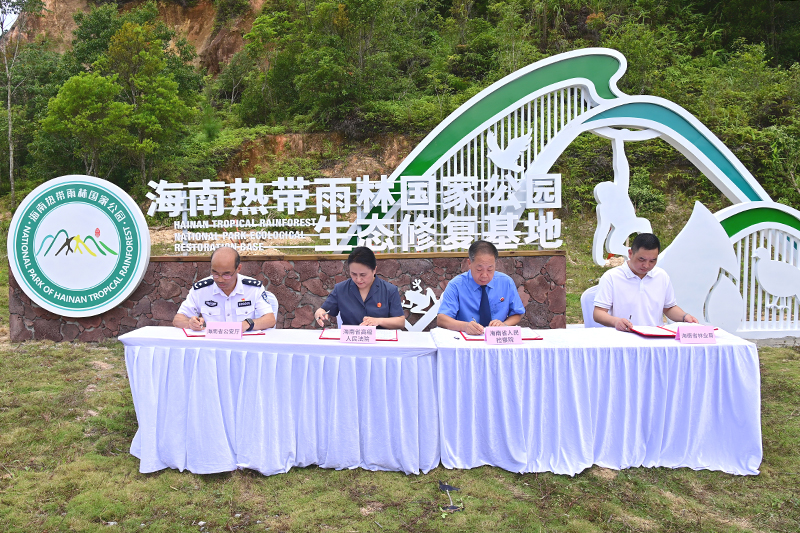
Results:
[364, 299]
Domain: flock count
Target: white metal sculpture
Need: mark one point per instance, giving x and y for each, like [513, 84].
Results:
[616, 216]
[418, 302]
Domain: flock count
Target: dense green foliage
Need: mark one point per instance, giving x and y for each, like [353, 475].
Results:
[367, 67]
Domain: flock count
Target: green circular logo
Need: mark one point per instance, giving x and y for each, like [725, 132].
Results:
[78, 245]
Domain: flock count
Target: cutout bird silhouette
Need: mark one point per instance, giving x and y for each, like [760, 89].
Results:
[780, 279]
[507, 158]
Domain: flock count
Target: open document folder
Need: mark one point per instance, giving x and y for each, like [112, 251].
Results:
[667, 330]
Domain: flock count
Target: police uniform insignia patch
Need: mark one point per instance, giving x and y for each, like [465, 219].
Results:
[210, 303]
[264, 295]
[203, 283]
[252, 282]
[245, 303]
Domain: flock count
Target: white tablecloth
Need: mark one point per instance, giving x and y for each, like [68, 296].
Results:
[599, 396]
[280, 400]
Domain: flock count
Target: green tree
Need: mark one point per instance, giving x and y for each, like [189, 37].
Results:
[136, 59]
[10, 48]
[86, 110]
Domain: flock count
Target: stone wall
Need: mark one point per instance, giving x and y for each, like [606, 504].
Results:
[300, 284]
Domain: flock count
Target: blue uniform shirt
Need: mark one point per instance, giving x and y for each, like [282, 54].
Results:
[383, 301]
[462, 298]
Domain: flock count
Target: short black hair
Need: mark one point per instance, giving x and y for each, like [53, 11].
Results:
[238, 259]
[364, 256]
[648, 241]
[482, 247]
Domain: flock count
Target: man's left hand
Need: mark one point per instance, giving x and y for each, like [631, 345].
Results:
[497, 324]
[691, 319]
[370, 321]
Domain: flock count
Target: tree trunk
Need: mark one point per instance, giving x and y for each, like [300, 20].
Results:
[4, 50]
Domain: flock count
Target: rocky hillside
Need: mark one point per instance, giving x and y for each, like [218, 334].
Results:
[195, 23]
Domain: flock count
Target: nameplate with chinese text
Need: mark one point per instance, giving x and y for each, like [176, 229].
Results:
[503, 335]
[696, 335]
[224, 330]
[358, 334]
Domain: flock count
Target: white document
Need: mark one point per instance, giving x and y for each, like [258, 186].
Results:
[528, 333]
[652, 331]
[674, 326]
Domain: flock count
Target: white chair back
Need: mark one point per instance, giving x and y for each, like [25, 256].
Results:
[587, 306]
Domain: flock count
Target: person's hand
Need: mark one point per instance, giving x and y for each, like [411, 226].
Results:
[321, 315]
[473, 328]
[196, 323]
[370, 321]
[691, 319]
[623, 324]
[497, 323]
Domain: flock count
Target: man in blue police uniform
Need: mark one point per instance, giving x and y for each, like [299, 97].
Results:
[227, 296]
[480, 297]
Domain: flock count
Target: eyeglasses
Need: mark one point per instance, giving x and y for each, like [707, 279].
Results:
[223, 276]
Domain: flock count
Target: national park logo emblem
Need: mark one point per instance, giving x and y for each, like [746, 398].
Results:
[78, 245]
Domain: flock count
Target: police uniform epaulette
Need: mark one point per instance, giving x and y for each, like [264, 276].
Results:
[253, 282]
[203, 283]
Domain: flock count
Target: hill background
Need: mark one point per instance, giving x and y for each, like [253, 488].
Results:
[187, 90]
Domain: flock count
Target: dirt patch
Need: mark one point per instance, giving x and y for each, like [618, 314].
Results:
[606, 474]
[370, 508]
[100, 365]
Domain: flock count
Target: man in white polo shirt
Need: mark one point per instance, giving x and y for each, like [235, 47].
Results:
[637, 292]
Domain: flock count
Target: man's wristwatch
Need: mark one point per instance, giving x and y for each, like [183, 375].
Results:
[252, 324]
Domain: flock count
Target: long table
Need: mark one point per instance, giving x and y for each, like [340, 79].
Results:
[561, 404]
[599, 396]
[283, 399]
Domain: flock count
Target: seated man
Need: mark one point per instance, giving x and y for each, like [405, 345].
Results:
[637, 292]
[227, 296]
[480, 297]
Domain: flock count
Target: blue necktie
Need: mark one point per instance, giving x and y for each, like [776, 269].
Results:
[484, 312]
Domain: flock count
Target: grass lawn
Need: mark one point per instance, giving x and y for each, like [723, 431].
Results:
[67, 420]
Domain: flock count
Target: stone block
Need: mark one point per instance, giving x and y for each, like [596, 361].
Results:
[164, 310]
[286, 297]
[306, 269]
[556, 268]
[93, 335]
[185, 272]
[506, 265]
[532, 266]
[303, 317]
[44, 313]
[168, 289]
[142, 307]
[557, 300]
[141, 291]
[275, 271]
[314, 286]
[332, 268]
[538, 288]
[524, 296]
[19, 332]
[538, 316]
[388, 268]
[90, 322]
[251, 268]
[69, 332]
[558, 322]
[47, 329]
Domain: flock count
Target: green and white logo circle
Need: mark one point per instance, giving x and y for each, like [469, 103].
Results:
[78, 246]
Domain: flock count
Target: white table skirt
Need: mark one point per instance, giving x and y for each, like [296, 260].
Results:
[281, 400]
[598, 396]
